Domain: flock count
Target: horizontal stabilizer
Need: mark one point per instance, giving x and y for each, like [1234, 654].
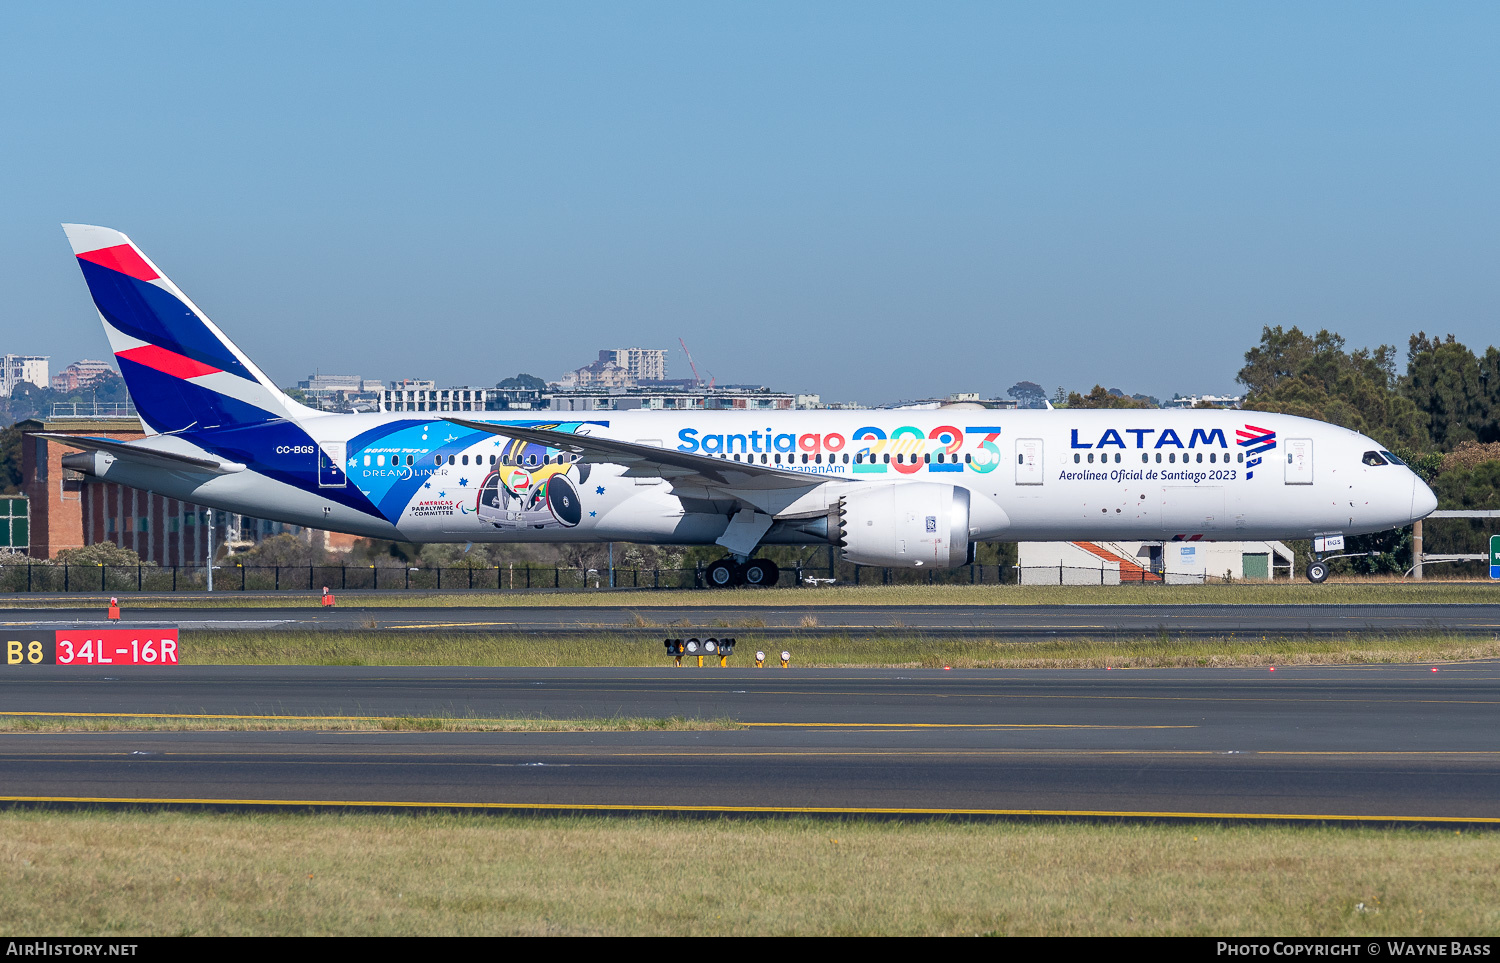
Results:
[156, 458]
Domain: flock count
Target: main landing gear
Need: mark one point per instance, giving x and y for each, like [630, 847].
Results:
[755, 572]
[1317, 572]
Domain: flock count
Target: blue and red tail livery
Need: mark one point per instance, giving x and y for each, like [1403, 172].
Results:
[182, 372]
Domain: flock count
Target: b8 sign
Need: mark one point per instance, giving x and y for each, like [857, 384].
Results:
[138, 645]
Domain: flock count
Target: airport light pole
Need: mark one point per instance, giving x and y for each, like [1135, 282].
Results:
[210, 549]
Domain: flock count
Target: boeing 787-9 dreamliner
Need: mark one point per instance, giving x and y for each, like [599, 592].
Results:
[889, 488]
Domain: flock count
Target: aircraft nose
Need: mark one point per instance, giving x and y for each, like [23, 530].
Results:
[1423, 501]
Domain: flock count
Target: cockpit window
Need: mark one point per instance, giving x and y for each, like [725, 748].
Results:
[1373, 458]
[1392, 458]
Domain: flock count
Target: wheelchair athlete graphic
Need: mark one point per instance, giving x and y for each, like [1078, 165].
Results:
[530, 488]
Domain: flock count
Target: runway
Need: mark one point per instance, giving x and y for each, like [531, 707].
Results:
[1384, 744]
[1020, 622]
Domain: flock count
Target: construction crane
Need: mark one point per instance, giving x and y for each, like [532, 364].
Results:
[696, 380]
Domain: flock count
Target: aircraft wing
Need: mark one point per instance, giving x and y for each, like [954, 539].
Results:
[154, 457]
[684, 470]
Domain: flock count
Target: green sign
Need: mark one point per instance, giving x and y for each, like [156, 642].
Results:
[1495, 556]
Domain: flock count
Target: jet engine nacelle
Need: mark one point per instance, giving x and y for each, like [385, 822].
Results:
[905, 526]
[91, 463]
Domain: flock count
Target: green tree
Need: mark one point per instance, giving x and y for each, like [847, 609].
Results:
[99, 553]
[1102, 397]
[10, 460]
[1443, 381]
[523, 380]
[1292, 373]
[1028, 394]
[282, 549]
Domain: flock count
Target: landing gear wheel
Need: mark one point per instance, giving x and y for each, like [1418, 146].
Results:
[722, 574]
[760, 573]
[1317, 573]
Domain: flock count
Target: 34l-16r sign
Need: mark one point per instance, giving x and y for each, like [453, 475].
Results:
[137, 645]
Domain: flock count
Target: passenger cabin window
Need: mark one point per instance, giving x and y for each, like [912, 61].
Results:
[1372, 458]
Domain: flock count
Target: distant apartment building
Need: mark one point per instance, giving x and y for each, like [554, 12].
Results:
[651, 398]
[1215, 401]
[642, 364]
[338, 392]
[598, 374]
[516, 399]
[619, 368]
[16, 368]
[438, 399]
[81, 375]
[959, 399]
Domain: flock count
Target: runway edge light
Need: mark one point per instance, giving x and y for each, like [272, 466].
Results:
[786, 658]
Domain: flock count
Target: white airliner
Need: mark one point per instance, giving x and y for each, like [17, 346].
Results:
[890, 488]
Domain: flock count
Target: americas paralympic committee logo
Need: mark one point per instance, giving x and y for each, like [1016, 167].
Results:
[1255, 441]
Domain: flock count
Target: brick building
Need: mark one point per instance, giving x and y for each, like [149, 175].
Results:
[69, 510]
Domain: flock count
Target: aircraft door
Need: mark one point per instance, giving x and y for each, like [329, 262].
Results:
[331, 464]
[1028, 461]
[1299, 461]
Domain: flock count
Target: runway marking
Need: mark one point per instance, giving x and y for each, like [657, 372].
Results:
[453, 625]
[754, 810]
[874, 726]
[949, 725]
[191, 715]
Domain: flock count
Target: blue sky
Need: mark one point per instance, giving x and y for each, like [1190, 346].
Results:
[874, 201]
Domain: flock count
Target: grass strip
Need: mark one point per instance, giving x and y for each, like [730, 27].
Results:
[115, 874]
[825, 650]
[13, 721]
[1334, 592]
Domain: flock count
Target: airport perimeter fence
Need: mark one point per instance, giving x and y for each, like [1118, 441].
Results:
[53, 578]
[1107, 575]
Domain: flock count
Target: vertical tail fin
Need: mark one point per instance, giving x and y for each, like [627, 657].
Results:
[181, 371]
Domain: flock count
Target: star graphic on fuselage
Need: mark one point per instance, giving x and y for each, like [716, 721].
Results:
[463, 483]
[599, 490]
[442, 494]
[593, 514]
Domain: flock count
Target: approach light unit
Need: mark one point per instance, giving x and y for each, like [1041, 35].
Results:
[786, 659]
[677, 648]
[760, 660]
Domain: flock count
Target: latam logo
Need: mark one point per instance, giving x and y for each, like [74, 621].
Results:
[1255, 441]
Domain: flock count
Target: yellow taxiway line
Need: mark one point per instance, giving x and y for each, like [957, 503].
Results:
[752, 810]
